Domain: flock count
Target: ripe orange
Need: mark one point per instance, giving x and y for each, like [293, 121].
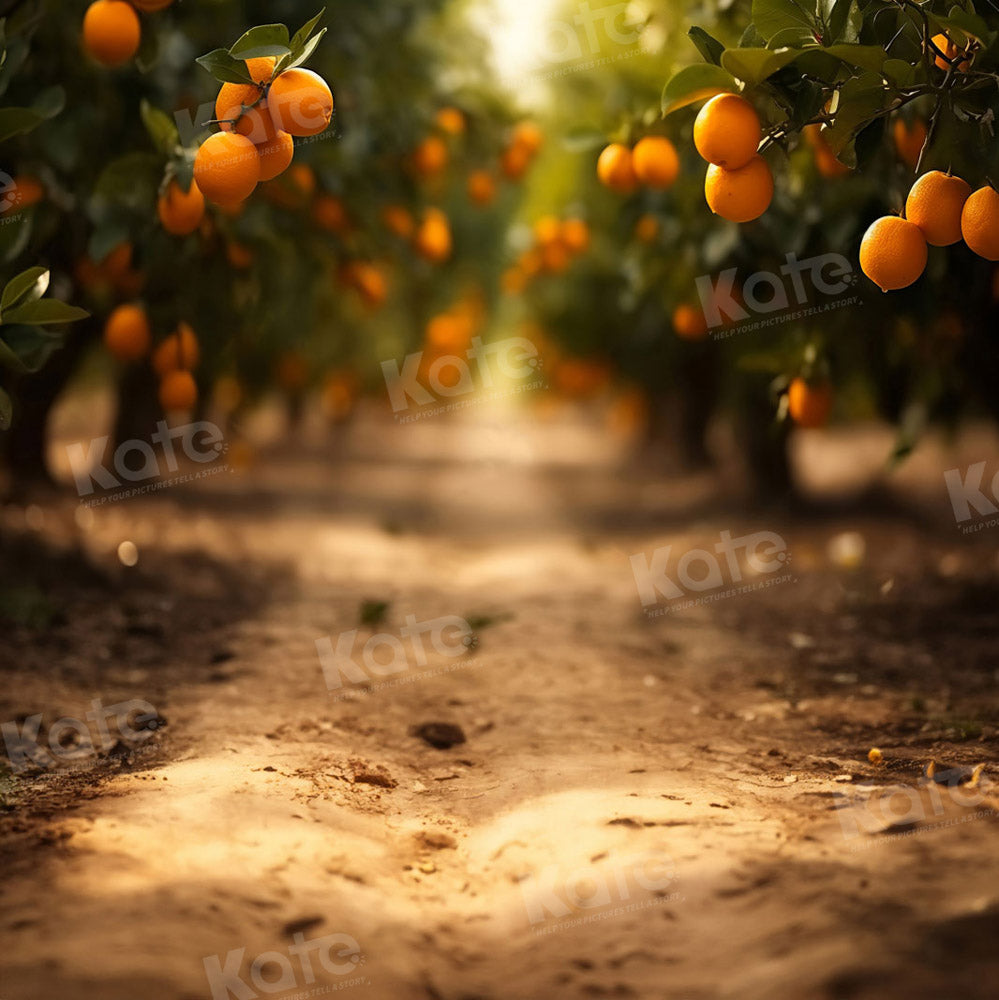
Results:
[909, 140]
[727, 131]
[528, 137]
[117, 265]
[111, 32]
[433, 238]
[303, 178]
[178, 392]
[575, 235]
[329, 213]
[893, 253]
[810, 403]
[178, 352]
[616, 170]
[514, 162]
[740, 195]
[181, 211]
[547, 230]
[935, 204]
[655, 161]
[126, 333]
[980, 223]
[430, 157]
[276, 152]
[233, 98]
[300, 103]
[227, 168]
[555, 257]
[951, 52]
[369, 280]
[481, 187]
[647, 229]
[398, 221]
[689, 322]
[450, 120]
[240, 257]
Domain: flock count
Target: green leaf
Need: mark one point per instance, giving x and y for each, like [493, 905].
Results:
[224, 67]
[26, 287]
[710, 48]
[305, 54]
[132, 179]
[161, 128]
[264, 40]
[836, 14]
[789, 19]
[753, 66]
[305, 32]
[19, 121]
[696, 83]
[44, 312]
[6, 411]
[27, 348]
[870, 57]
[861, 99]
[14, 237]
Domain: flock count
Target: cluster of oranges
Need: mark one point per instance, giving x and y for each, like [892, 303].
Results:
[653, 163]
[128, 337]
[739, 185]
[112, 31]
[940, 210]
[557, 242]
[258, 121]
[115, 275]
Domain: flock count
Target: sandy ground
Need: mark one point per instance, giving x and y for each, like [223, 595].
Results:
[678, 806]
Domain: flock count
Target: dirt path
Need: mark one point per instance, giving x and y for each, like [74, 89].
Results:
[642, 807]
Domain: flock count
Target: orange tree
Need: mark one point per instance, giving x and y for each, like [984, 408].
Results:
[312, 265]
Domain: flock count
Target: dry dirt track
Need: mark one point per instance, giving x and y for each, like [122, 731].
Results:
[676, 777]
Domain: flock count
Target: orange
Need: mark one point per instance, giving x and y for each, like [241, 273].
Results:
[181, 211]
[179, 352]
[235, 98]
[481, 187]
[950, 53]
[433, 238]
[547, 230]
[656, 163]
[126, 333]
[303, 178]
[909, 140]
[178, 392]
[514, 162]
[329, 213]
[809, 403]
[727, 131]
[430, 157]
[935, 204]
[616, 170]
[450, 120]
[398, 221]
[689, 322]
[980, 223]
[647, 229]
[893, 253]
[111, 32]
[369, 280]
[227, 168]
[528, 137]
[575, 235]
[118, 263]
[276, 152]
[555, 258]
[740, 195]
[300, 102]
